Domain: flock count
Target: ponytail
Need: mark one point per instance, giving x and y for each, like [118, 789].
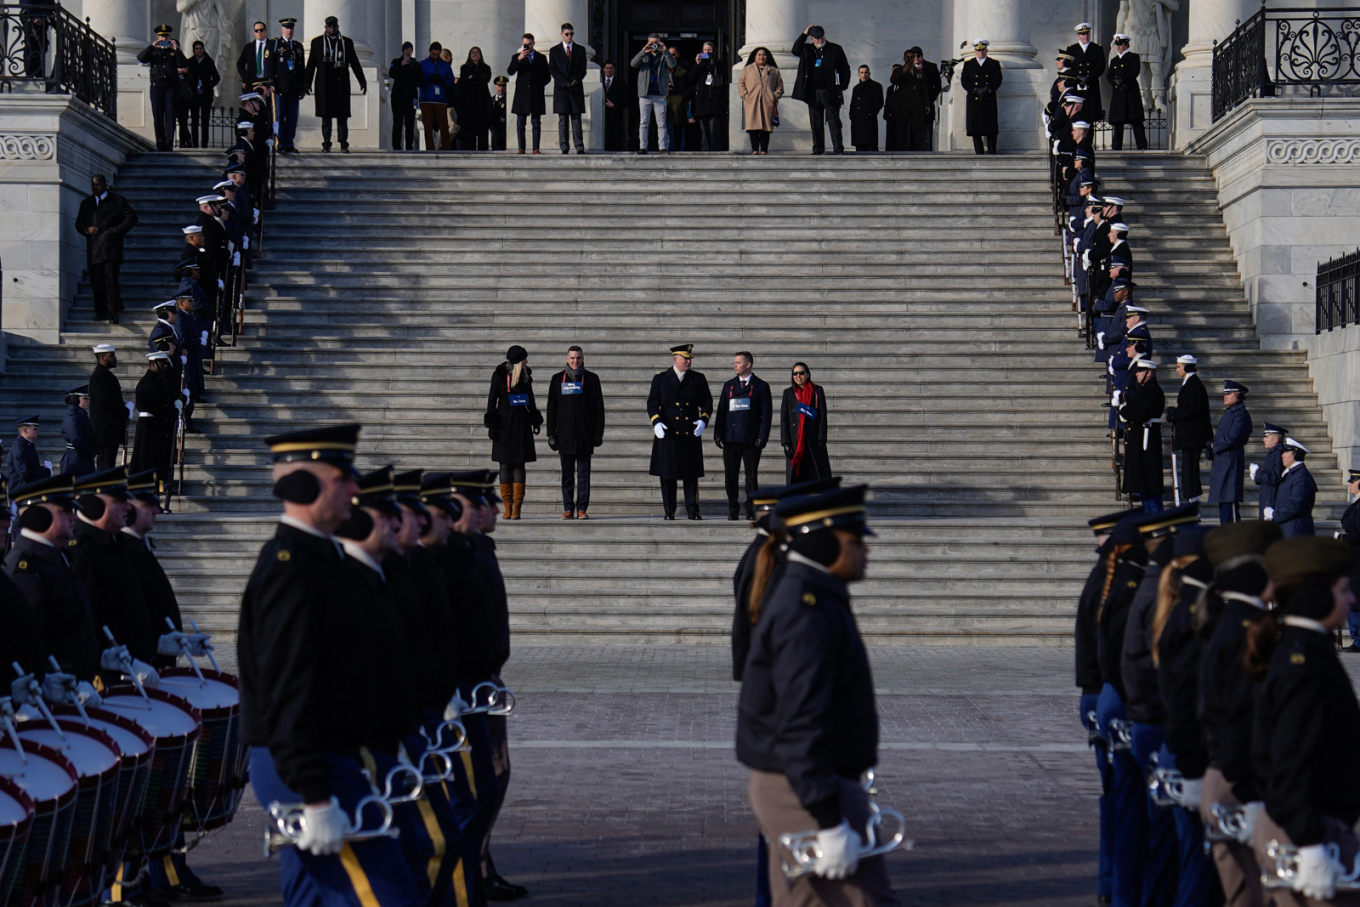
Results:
[760, 578]
[1168, 594]
[1262, 637]
[1111, 565]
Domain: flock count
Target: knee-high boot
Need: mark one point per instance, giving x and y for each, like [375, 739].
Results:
[507, 502]
[519, 499]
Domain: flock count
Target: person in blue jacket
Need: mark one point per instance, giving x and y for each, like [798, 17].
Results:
[22, 465]
[434, 98]
[1227, 450]
[1297, 493]
[1267, 475]
[78, 432]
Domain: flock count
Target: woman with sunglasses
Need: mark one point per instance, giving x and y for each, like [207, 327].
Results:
[802, 428]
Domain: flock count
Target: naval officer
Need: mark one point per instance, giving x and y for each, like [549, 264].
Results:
[679, 405]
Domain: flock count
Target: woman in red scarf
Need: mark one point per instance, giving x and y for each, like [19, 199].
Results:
[802, 428]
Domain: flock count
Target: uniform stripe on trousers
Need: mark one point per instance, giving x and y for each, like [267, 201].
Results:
[357, 877]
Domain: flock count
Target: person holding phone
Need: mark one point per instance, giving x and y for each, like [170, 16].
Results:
[530, 69]
[656, 68]
[167, 64]
[802, 428]
[708, 87]
[408, 76]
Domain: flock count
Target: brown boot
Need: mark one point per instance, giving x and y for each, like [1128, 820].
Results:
[519, 499]
[506, 500]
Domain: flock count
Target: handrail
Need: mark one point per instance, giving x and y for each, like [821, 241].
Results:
[44, 45]
[1338, 292]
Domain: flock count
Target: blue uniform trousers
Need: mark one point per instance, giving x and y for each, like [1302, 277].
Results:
[1105, 873]
[763, 896]
[454, 881]
[1161, 874]
[363, 873]
[287, 110]
[1129, 796]
[1199, 883]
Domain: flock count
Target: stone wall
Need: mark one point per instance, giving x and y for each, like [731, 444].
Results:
[50, 146]
[1334, 364]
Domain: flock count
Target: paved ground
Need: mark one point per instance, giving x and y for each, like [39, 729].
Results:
[626, 790]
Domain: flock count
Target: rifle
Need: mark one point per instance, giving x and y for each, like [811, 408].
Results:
[179, 441]
[1175, 473]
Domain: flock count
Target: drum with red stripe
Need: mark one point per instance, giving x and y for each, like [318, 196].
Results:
[16, 822]
[50, 780]
[135, 745]
[218, 776]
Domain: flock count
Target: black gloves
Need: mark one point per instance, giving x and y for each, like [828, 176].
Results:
[717, 439]
[552, 443]
[788, 452]
[760, 445]
[1171, 413]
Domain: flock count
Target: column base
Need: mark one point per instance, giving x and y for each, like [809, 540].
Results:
[1190, 98]
[1020, 105]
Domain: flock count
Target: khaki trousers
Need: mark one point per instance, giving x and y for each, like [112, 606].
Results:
[1336, 832]
[434, 118]
[779, 812]
[1236, 863]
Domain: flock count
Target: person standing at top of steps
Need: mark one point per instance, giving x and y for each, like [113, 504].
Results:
[532, 75]
[575, 429]
[865, 103]
[329, 63]
[1126, 101]
[498, 114]
[679, 405]
[512, 419]
[655, 68]
[1267, 474]
[1088, 65]
[408, 76]
[615, 109]
[981, 78]
[567, 65]
[741, 429]
[822, 80]
[1227, 453]
[108, 411]
[1190, 426]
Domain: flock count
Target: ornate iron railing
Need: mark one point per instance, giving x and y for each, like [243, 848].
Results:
[44, 46]
[1338, 292]
[1155, 128]
[1280, 51]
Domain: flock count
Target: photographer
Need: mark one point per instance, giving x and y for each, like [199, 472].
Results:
[532, 74]
[707, 93]
[167, 64]
[655, 67]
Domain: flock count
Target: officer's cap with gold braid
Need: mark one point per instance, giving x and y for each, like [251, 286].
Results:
[766, 498]
[378, 490]
[684, 349]
[840, 509]
[333, 444]
[1166, 522]
[56, 490]
[471, 484]
[436, 491]
[489, 477]
[142, 486]
[1101, 525]
[407, 488]
[112, 482]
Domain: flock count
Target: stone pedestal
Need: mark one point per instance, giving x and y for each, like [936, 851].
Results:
[1190, 94]
[50, 146]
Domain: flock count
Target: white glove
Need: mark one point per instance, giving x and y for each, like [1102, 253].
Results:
[236, 259]
[88, 696]
[146, 674]
[269, 143]
[1316, 874]
[838, 852]
[1114, 398]
[1269, 514]
[47, 464]
[221, 285]
[323, 829]
[455, 708]
[659, 429]
[1100, 340]
[1254, 470]
[699, 428]
[112, 659]
[185, 392]
[179, 406]
[198, 644]
[57, 688]
[129, 409]
[1249, 814]
[1191, 792]
[203, 338]
[1075, 244]
[184, 360]
[25, 690]
[245, 241]
[257, 214]
[172, 643]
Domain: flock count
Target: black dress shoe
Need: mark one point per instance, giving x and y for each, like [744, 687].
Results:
[695, 516]
[198, 890]
[113, 319]
[732, 517]
[669, 516]
[497, 889]
[1353, 648]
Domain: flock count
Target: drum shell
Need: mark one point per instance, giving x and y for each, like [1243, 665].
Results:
[50, 835]
[132, 775]
[13, 837]
[218, 773]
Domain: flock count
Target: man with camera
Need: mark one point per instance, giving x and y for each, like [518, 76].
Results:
[655, 67]
[823, 79]
[530, 69]
[166, 64]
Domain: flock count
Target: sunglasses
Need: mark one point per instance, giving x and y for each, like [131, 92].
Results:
[796, 374]
[258, 30]
[569, 33]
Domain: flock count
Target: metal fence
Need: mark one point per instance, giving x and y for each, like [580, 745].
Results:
[221, 128]
[1338, 292]
[1156, 129]
[45, 47]
[1288, 51]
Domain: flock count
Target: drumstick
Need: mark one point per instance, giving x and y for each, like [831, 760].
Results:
[193, 623]
[184, 648]
[38, 700]
[7, 717]
[127, 667]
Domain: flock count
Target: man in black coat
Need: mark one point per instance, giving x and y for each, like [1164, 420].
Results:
[931, 75]
[1191, 429]
[823, 79]
[108, 411]
[1140, 410]
[157, 406]
[329, 64]
[1088, 65]
[575, 429]
[255, 65]
[531, 72]
[865, 103]
[1126, 101]
[741, 429]
[679, 405]
[290, 65]
[407, 77]
[981, 78]
[134, 542]
[567, 66]
[103, 219]
[615, 109]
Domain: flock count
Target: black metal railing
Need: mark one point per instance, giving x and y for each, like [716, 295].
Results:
[1155, 128]
[1288, 51]
[1338, 292]
[46, 47]
[221, 128]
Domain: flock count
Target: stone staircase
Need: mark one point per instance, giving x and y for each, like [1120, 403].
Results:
[925, 292]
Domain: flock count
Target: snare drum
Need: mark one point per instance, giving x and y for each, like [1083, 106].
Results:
[174, 724]
[96, 758]
[135, 746]
[50, 781]
[16, 821]
[217, 778]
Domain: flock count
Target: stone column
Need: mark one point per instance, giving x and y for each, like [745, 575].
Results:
[544, 19]
[1191, 88]
[126, 21]
[1024, 86]
[353, 16]
[774, 24]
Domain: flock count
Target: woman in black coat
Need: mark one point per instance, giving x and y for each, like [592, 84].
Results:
[708, 87]
[802, 428]
[512, 419]
[472, 98]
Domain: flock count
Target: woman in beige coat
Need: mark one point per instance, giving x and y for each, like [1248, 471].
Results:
[761, 87]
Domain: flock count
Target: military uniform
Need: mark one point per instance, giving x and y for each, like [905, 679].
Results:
[981, 80]
[156, 416]
[1228, 454]
[1088, 65]
[161, 602]
[1296, 495]
[1267, 475]
[165, 63]
[116, 599]
[1126, 101]
[22, 466]
[683, 404]
[290, 85]
[1140, 410]
[78, 432]
[1190, 430]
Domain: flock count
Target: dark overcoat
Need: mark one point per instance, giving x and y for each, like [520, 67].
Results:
[114, 217]
[1126, 101]
[866, 100]
[1268, 477]
[472, 97]
[814, 431]
[512, 417]
[833, 56]
[1088, 66]
[161, 602]
[330, 83]
[1294, 502]
[981, 81]
[1142, 404]
[708, 87]
[531, 78]
[1193, 429]
[59, 603]
[78, 432]
[568, 75]
[1225, 476]
[679, 405]
[116, 599]
[576, 417]
[153, 445]
[107, 410]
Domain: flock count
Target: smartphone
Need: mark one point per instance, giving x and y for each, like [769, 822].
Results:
[703, 56]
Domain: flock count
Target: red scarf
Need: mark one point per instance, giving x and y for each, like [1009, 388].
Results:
[804, 395]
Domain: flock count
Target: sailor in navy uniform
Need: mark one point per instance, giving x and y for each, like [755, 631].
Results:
[1136, 344]
[317, 689]
[1267, 474]
[1227, 452]
[78, 432]
[1088, 65]
[1297, 493]
[680, 406]
[22, 465]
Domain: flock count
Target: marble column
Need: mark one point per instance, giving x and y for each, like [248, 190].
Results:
[354, 23]
[126, 21]
[544, 20]
[1191, 85]
[774, 24]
